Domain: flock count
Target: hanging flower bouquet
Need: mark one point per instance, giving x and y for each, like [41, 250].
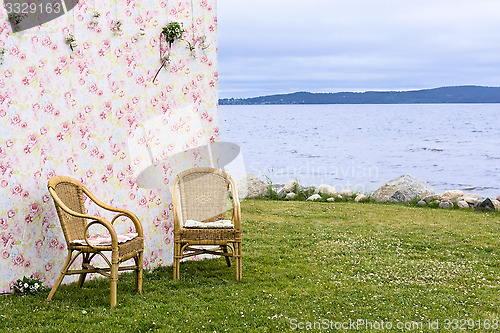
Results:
[172, 32]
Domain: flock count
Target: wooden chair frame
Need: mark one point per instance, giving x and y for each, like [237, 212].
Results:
[67, 194]
[187, 241]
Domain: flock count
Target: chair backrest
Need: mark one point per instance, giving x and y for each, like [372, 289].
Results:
[68, 191]
[203, 194]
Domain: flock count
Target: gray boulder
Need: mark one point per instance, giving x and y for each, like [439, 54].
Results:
[290, 186]
[346, 193]
[314, 197]
[472, 199]
[421, 203]
[280, 191]
[452, 195]
[432, 197]
[250, 187]
[447, 204]
[402, 189]
[486, 205]
[360, 198]
[326, 189]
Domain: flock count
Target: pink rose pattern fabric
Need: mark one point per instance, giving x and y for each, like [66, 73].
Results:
[96, 115]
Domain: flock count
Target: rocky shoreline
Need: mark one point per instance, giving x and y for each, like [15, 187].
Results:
[405, 188]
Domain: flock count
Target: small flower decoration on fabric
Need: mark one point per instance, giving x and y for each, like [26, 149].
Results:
[140, 33]
[3, 50]
[202, 40]
[117, 27]
[95, 19]
[71, 41]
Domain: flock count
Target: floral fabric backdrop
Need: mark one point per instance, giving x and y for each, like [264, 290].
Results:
[94, 113]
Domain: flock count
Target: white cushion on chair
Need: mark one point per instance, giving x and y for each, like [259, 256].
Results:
[99, 240]
[221, 224]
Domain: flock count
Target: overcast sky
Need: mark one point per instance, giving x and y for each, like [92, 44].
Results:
[281, 46]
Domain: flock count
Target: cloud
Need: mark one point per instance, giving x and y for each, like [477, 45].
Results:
[283, 46]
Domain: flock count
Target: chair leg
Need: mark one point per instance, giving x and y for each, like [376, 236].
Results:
[228, 260]
[177, 261]
[85, 260]
[237, 250]
[81, 280]
[138, 272]
[113, 283]
[61, 276]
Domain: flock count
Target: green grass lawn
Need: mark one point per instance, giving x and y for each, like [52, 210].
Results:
[305, 265]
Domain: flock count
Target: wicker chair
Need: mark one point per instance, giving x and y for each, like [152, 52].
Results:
[200, 198]
[67, 194]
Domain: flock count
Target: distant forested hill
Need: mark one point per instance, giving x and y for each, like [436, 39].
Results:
[460, 94]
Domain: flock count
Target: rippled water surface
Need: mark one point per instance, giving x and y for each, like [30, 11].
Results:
[360, 147]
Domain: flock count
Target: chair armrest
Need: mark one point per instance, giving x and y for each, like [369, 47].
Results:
[135, 220]
[100, 203]
[96, 219]
[121, 211]
[236, 205]
[107, 225]
[237, 215]
[175, 202]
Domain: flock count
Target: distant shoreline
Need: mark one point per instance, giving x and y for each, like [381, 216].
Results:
[443, 95]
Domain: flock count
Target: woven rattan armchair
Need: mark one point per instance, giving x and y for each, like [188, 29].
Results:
[67, 194]
[200, 198]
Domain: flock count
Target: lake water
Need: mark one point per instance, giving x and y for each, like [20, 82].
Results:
[361, 147]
